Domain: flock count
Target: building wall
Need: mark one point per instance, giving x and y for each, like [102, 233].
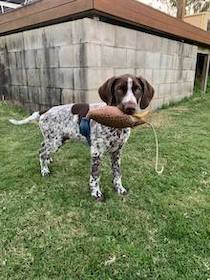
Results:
[199, 20]
[67, 62]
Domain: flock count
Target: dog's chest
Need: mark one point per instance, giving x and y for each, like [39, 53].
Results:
[108, 138]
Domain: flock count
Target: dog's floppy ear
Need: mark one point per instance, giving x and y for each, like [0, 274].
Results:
[148, 92]
[106, 91]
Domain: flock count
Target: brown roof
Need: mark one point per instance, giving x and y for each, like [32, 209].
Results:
[125, 12]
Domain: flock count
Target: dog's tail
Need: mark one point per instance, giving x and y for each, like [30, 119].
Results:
[34, 117]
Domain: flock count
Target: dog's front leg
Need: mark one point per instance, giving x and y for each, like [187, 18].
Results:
[116, 170]
[95, 176]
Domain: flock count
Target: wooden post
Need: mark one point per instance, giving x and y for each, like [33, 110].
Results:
[205, 73]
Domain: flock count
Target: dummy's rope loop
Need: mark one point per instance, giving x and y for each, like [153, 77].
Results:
[159, 172]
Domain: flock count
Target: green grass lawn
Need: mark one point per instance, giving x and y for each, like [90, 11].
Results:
[50, 228]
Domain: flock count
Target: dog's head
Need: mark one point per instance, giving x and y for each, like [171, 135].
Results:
[127, 92]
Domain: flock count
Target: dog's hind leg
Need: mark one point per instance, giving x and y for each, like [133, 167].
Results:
[46, 152]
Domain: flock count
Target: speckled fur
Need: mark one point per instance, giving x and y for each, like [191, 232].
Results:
[59, 123]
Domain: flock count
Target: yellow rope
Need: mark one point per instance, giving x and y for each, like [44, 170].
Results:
[159, 172]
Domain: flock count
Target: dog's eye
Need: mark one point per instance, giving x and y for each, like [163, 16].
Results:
[136, 88]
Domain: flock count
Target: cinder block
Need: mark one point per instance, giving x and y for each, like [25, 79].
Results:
[30, 59]
[152, 60]
[86, 30]
[181, 49]
[107, 32]
[4, 60]
[140, 59]
[78, 31]
[18, 77]
[12, 60]
[140, 72]
[164, 46]
[14, 92]
[169, 78]
[164, 90]
[175, 62]
[20, 59]
[33, 77]
[68, 96]
[54, 96]
[131, 58]
[23, 94]
[148, 75]
[35, 95]
[45, 77]
[119, 59]
[174, 47]
[178, 98]
[73, 96]
[15, 42]
[2, 44]
[40, 58]
[166, 61]
[176, 76]
[157, 43]
[187, 50]
[34, 39]
[174, 89]
[194, 51]
[64, 78]
[147, 42]
[156, 76]
[94, 78]
[162, 75]
[170, 62]
[185, 75]
[70, 56]
[187, 63]
[187, 89]
[51, 56]
[45, 96]
[58, 34]
[193, 64]
[106, 73]
[94, 31]
[141, 41]
[80, 78]
[171, 47]
[125, 38]
[107, 56]
[92, 96]
[123, 71]
[190, 76]
[47, 57]
[93, 56]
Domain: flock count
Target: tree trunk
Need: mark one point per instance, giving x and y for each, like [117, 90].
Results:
[181, 5]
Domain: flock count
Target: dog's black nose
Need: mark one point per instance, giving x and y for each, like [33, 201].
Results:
[130, 110]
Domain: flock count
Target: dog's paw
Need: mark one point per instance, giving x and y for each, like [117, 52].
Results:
[121, 190]
[45, 171]
[97, 195]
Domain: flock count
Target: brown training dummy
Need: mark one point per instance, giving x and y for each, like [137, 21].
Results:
[113, 117]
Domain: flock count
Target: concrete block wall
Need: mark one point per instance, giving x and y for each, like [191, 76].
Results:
[67, 62]
[44, 67]
[167, 64]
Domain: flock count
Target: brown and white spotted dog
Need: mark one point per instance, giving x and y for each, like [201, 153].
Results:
[63, 122]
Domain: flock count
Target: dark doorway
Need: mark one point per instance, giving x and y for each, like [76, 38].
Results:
[202, 71]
